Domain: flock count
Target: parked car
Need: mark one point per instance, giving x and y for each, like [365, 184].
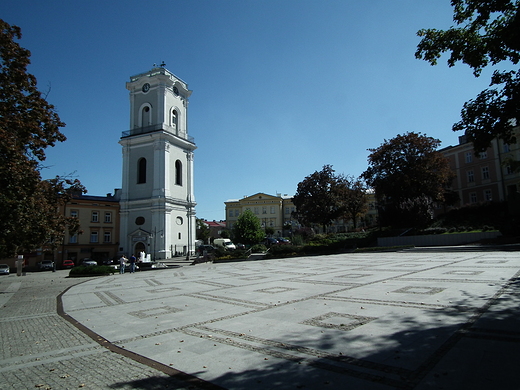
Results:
[4, 269]
[67, 264]
[284, 241]
[271, 241]
[88, 263]
[207, 248]
[45, 265]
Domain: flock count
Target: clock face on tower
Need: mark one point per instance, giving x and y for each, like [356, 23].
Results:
[146, 87]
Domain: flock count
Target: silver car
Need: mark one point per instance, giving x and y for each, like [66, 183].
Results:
[46, 265]
[4, 269]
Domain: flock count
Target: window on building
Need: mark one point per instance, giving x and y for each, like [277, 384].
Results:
[272, 209]
[146, 116]
[73, 239]
[483, 155]
[485, 173]
[94, 237]
[178, 173]
[231, 212]
[488, 195]
[74, 213]
[255, 210]
[107, 237]
[473, 197]
[469, 157]
[95, 216]
[141, 171]
[509, 170]
[471, 177]
[108, 217]
[264, 210]
[506, 148]
[174, 119]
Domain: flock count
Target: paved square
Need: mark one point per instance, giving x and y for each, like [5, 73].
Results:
[372, 321]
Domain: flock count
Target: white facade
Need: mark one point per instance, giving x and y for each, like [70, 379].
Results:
[157, 200]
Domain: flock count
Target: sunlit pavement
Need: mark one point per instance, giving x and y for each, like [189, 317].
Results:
[407, 320]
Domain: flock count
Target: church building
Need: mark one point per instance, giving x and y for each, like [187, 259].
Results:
[157, 199]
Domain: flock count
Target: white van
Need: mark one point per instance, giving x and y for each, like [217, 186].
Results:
[225, 243]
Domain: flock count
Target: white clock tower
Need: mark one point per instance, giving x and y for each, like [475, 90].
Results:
[157, 200]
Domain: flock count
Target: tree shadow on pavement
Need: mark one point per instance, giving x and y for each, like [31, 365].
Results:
[456, 347]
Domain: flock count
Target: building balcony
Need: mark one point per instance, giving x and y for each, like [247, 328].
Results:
[158, 127]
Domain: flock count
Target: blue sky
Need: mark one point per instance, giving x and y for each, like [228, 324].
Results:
[280, 87]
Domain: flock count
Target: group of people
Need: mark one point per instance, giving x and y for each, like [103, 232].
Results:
[131, 262]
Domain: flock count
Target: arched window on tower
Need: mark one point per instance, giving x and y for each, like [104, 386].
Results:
[174, 121]
[141, 171]
[146, 115]
[178, 173]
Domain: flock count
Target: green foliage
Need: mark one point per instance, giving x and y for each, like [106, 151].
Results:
[487, 32]
[28, 125]
[478, 216]
[225, 234]
[315, 198]
[408, 175]
[202, 230]
[92, 270]
[352, 197]
[258, 248]
[247, 229]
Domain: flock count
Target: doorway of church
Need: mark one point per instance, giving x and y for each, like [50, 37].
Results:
[139, 247]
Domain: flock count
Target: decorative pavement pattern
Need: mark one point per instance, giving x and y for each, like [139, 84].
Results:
[432, 318]
[405, 320]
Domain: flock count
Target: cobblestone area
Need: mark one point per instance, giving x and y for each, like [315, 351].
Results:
[41, 350]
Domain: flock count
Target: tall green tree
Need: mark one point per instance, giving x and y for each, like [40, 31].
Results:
[29, 206]
[352, 196]
[408, 174]
[487, 33]
[316, 198]
[202, 230]
[248, 229]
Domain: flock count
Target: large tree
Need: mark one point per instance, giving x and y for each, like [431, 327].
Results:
[29, 206]
[316, 198]
[487, 33]
[408, 174]
[352, 196]
[248, 229]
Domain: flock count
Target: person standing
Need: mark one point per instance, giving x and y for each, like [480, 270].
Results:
[122, 263]
[132, 264]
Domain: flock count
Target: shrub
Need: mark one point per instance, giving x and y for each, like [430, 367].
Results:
[258, 248]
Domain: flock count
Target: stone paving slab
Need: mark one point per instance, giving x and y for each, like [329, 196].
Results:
[406, 320]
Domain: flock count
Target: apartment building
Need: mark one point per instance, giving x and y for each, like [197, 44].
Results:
[488, 177]
[274, 211]
[99, 228]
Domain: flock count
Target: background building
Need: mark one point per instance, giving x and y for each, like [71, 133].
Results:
[99, 229]
[272, 211]
[489, 177]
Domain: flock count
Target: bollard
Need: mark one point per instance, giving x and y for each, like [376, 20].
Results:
[19, 265]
